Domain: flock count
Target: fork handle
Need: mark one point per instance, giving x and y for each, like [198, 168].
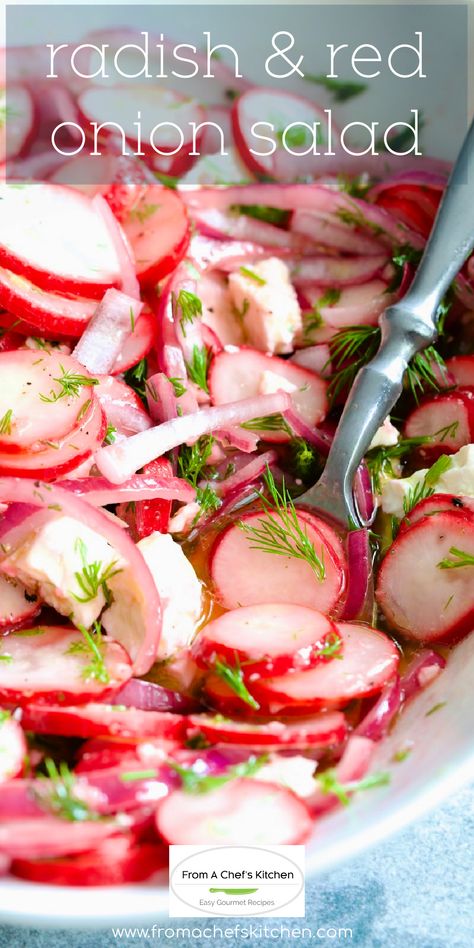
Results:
[407, 327]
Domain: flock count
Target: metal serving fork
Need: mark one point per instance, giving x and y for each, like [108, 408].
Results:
[407, 327]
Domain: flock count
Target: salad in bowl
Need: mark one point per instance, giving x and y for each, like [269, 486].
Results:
[187, 655]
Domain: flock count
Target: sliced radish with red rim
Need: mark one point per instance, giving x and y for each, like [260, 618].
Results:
[49, 836]
[98, 720]
[17, 607]
[242, 812]
[138, 344]
[53, 663]
[447, 420]
[370, 659]
[116, 861]
[245, 373]
[320, 730]
[13, 747]
[53, 236]
[266, 639]
[52, 315]
[424, 586]
[437, 503]
[158, 231]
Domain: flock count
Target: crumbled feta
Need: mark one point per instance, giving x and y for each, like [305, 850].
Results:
[457, 479]
[386, 436]
[269, 306]
[296, 773]
[179, 589]
[49, 563]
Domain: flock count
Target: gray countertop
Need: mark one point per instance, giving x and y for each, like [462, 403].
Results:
[414, 891]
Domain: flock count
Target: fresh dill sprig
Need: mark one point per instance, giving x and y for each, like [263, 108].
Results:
[6, 422]
[70, 384]
[329, 783]
[233, 677]
[426, 487]
[424, 372]
[341, 89]
[303, 459]
[198, 367]
[402, 255]
[268, 423]
[142, 214]
[59, 795]
[332, 647]
[207, 499]
[193, 782]
[110, 434]
[456, 559]
[178, 387]
[93, 645]
[192, 459]
[93, 576]
[313, 318]
[380, 460]
[136, 379]
[280, 532]
[190, 307]
[247, 272]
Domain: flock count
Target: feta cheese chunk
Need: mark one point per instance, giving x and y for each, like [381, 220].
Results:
[179, 589]
[271, 314]
[386, 436]
[52, 561]
[457, 479]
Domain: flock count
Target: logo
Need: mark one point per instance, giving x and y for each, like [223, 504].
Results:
[236, 881]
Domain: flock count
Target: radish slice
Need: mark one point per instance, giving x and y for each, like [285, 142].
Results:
[35, 407]
[51, 663]
[370, 659]
[17, 607]
[245, 373]
[240, 813]
[115, 861]
[48, 836]
[437, 503]
[425, 602]
[265, 639]
[58, 457]
[320, 730]
[55, 316]
[356, 305]
[267, 108]
[17, 131]
[54, 236]
[447, 419]
[157, 228]
[137, 345]
[245, 576]
[140, 637]
[154, 107]
[462, 370]
[100, 720]
[118, 461]
[109, 329]
[13, 747]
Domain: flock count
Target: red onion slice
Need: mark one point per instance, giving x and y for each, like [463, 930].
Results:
[359, 573]
[99, 492]
[425, 667]
[143, 638]
[118, 461]
[130, 284]
[376, 723]
[149, 696]
[104, 337]
[247, 474]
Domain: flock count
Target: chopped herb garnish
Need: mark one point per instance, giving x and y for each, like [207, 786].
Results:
[70, 384]
[131, 775]
[380, 460]
[4, 716]
[93, 576]
[136, 379]
[6, 422]
[247, 272]
[93, 645]
[193, 782]
[59, 795]
[328, 783]
[6, 658]
[314, 318]
[268, 423]
[435, 708]
[424, 371]
[141, 214]
[132, 319]
[456, 559]
[280, 532]
[426, 487]
[178, 387]
[341, 89]
[261, 212]
[207, 499]
[401, 755]
[110, 434]
[233, 677]
[198, 367]
[81, 413]
[168, 180]
[332, 647]
[355, 218]
[192, 459]
[190, 307]
[303, 459]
